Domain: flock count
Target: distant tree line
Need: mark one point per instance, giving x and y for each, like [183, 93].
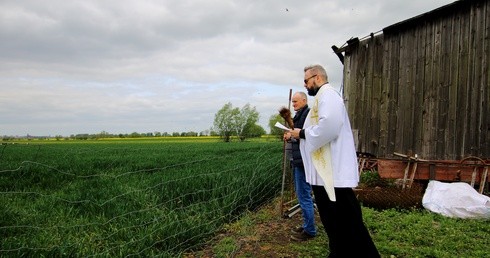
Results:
[229, 122]
[104, 134]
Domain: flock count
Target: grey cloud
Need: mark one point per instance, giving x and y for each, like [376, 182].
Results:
[123, 66]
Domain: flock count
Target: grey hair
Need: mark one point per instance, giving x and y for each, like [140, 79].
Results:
[317, 69]
[302, 94]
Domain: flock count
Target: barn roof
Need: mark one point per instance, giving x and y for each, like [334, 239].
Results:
[431, 15]
[410, 23]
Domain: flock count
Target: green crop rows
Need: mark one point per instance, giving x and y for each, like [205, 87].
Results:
[119, 198]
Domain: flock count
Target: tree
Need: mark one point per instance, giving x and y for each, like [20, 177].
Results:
[230, 121]
[255, 130]
[135, 135]
[223, 121]
[245, 120]
[272, 121]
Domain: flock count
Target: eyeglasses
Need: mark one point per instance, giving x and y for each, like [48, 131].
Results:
[308, 79]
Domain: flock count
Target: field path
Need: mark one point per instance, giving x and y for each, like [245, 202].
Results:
[260, 234]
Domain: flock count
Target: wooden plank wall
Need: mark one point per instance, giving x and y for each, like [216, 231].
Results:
[424, 89]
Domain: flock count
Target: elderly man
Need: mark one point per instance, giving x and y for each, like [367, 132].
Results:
[303, 189]
[329, 157]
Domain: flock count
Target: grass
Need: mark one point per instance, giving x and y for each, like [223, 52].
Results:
[167, 197]
[419, 233]
[396, 233]
[130, 197]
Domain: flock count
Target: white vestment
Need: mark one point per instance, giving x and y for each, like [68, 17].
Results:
[328, 150]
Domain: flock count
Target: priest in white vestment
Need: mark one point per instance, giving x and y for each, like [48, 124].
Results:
[330, 161]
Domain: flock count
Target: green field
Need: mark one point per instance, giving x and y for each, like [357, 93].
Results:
[168, 196]
[143, 197]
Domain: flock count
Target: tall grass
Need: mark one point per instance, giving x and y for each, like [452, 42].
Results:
[123, 198]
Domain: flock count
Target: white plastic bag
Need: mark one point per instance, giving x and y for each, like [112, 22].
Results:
[456, 200]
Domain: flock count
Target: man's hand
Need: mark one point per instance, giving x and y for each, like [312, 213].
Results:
[295, 132]
[286, 136]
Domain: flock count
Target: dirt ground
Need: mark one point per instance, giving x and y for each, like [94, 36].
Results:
[268, 236]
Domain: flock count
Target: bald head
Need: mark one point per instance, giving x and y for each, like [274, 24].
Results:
[299, 100]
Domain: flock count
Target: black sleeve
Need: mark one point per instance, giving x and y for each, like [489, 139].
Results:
[302, 134]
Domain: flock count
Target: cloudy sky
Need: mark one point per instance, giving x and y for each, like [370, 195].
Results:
[69, 67]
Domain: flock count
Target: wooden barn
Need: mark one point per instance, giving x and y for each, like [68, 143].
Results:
[418, 92]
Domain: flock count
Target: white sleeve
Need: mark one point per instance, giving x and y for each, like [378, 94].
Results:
[330, 121]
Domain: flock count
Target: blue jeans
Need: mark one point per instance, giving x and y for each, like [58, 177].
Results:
[303, 192]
